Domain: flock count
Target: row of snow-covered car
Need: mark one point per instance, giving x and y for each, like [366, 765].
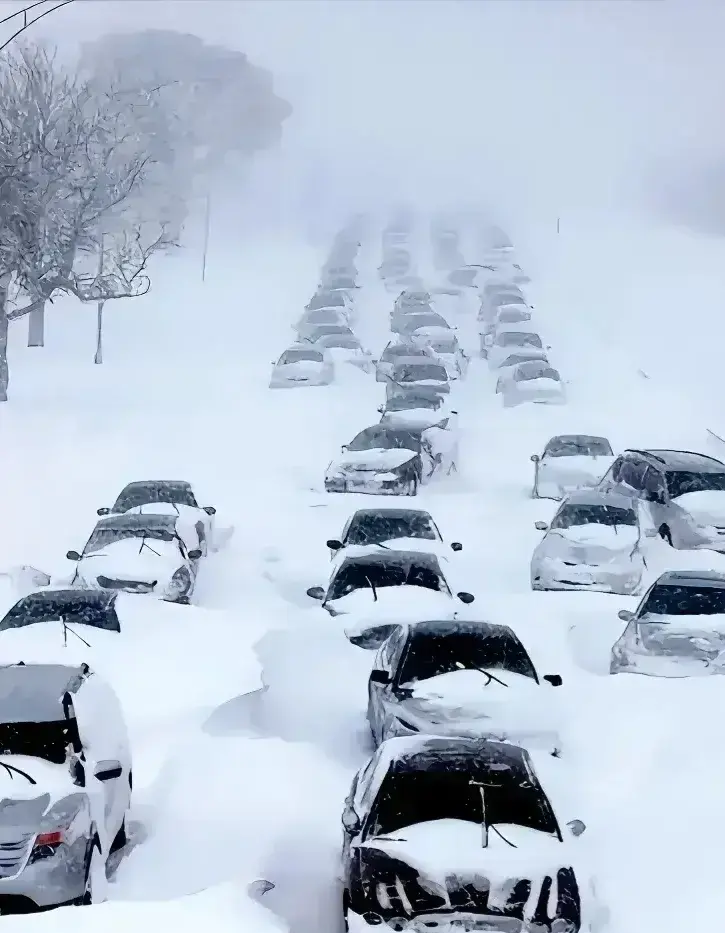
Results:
[324, 333]
[448, 824]
[77, 650]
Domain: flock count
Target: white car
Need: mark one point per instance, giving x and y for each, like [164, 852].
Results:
[570, 462]
[303, 365]
[506, 342]
[395, 352]
[522, 355]
[594, 542]
[169, 497]
[446, 348]
[139, 554]
[390, 527]
[345, 349]
[363, 577]
[533, 381]
[427, 375]
[310, 321]
[412, 300]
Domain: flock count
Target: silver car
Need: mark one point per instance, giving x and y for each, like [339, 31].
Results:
[678, 629]
[65, 769]
[593, 543]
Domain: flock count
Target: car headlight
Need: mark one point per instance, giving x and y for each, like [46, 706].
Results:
[181, 580]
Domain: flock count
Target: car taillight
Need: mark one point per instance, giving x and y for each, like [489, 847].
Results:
[54, 838]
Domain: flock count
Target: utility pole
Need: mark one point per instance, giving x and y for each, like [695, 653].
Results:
[207, 227]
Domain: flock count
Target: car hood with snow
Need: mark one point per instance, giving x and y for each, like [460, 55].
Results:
[373, 620]
[591, 543]
[376, 459]
[556, 477]
[706, 507]
[391, 598]
[129, 562]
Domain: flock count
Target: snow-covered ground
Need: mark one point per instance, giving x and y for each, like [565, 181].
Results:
[254, 789]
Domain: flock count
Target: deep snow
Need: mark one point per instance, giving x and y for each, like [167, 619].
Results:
[255, 788]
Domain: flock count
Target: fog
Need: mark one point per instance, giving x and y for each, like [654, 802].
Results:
[535, 107]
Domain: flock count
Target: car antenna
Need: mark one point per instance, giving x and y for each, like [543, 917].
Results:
[66, 629]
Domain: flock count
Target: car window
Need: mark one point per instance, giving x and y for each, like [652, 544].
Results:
[665, 599]
[632, 473]
[374, 527]
[572, 514]
[654, 485]
[680, 482]
[145, 493]
[297, 356]
[357, 575]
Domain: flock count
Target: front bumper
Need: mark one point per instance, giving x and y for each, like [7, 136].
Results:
[602, 578]
[48, 882]
[545, 739]
[372, 484]
[452, 922]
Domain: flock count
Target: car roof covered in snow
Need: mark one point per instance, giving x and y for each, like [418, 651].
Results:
[389, 512]
[576, 439]
[374, 554]
[687, 460]
[453, 626]
[692, 578]
[34, 692]
[155, 483]
[599, 497]
[408, 748]
[135, 520]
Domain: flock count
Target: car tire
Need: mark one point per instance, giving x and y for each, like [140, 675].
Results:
[666, 535]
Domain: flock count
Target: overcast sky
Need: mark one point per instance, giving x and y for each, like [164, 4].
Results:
[537, 102]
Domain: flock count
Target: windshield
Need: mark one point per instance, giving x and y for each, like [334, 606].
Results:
[667, 600]
[680, 482]
[354, 575]
[340, 342]
[391, 353]
[326, 300]
[433, 653]
[414, 321]
[409, 401]
[536, 371]
[297, 356]
[374, 527]
[512, 316]
[381, 436]
[518, 358]
[578, 447]
[103, 536]
[444, 344]
[511, 338]
[429, 787]
[570, 515]
[134, 496]
[37, 607]
[45, 740]
[418, 372]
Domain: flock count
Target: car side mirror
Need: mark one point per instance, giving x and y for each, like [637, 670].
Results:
[370, 639]
[73, 555]
[625, 615]
[466, 598]
[209, 509]
[350, 821]
[108, 770]
[195, 554]
[103, 511]
[540, 526]
[344, 448]
[554, 679]
[456, 546]
[379, 677]
[334, 544]
[535, 458]
[316, 592]
[576, 827]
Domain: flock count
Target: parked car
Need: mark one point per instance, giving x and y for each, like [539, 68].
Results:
[406, 323]
[363, 576]
[307, 326]
[412, 300]
[508, 341]
[345, 349]
[522, 355]
[413, 375]
[445, 346]
[454, 832]
[138, 554]
[533, 381]
[395, 352]
[570, 462]
[678, 629]
[594, 542]
[65, 769]
[303, 365]
[681, 494]
[456, 677]
[387, 526]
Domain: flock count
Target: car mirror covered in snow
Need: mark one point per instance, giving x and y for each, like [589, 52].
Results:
[554, 679]
[370, 636]
[576, 827]
[334, 544]
[456, 546]
[209, 509]
[108, 770]
[103, 511]
[466, 598]
[316, 592]
[540, 526]
[350, 820]
[379, 677]
[625, 615]
[535, 458]
[195, 554]
[73, 555]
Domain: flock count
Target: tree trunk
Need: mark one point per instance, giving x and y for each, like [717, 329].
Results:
[36, 328]
[98, 358]
[4, 371]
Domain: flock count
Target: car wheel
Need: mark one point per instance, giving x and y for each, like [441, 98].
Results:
[666, 535]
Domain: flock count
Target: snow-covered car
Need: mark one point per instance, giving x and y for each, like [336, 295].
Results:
[303, 365]
[445, 346]
[169, 497]
[678, 629]
[330, 299]
[506, 342]
[457, 833]
[394, 352]
[468, 276]
[681, 494]
[346, 349]
[387, 459]
[406, 323]
[388, 526]
[594, 542]
[533, 381]
[318, 331]
[307, 325]
[412, 300]
[65, 779]
[571, 462]
[495, 295]
[457, 677]
[412, 375]
[437, 423]
[488, 339]
[138, 554]
[523, 355]
[505, 316]
[361, 576]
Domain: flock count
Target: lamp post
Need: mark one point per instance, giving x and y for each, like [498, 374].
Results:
[29, 22]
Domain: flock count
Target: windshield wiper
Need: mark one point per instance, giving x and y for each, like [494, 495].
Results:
[485, 825]
[66, 629]
[462, 667]
[148, 546]
[12, 768]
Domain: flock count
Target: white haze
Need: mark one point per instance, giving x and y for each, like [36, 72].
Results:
[536, 106]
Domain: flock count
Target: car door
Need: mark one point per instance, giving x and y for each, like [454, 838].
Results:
[379, 693]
